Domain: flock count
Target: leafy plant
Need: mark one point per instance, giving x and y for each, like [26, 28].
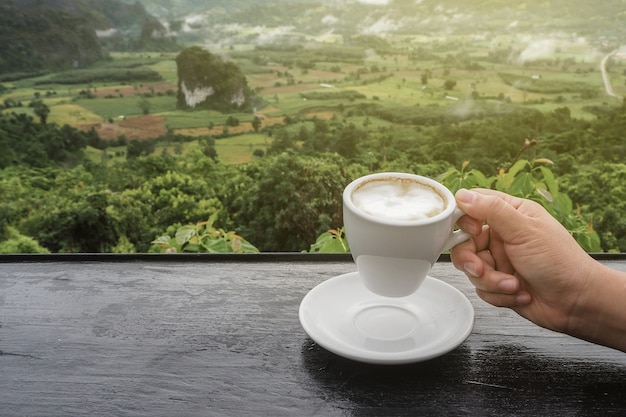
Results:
[533, 180]
[203, 237]
[332, 241]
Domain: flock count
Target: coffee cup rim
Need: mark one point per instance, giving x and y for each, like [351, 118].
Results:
[442, 189]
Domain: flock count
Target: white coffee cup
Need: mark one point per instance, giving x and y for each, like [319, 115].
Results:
[397, 225]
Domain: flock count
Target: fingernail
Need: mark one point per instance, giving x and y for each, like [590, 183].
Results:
[508, 285]
[465, 196]
[470, 268]
[523, 299]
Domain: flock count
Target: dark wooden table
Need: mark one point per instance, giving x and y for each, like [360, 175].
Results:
[220, 336]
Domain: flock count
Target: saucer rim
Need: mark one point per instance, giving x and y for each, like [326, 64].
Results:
[452, 342]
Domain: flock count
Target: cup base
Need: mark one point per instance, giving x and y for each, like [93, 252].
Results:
[392, 277]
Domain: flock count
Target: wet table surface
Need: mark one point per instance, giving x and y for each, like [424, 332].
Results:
[220, 336]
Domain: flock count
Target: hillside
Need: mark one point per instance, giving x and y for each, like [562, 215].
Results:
[334, 20]
[177, 8]
[442, 15]
[33, 41]
[50, 35]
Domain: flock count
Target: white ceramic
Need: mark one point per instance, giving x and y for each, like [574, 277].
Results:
[394, 256]
[342, 316]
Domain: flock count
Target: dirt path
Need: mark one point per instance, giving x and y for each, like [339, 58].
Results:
[605, 76]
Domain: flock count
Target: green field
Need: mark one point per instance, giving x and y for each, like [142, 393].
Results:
[393, 82]
[240, 149]
[233, 150]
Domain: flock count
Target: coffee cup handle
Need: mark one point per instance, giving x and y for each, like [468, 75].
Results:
[457, 236]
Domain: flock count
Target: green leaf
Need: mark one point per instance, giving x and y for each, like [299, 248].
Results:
[550, 180]
[247, 247]
[544, 193]
[517, 167]
[217, 246]
[522, 185]
[589, 241]
[161, 240]
[184, 234]
[333, 246]
[330, 242]
[211, 221]
[480, 180]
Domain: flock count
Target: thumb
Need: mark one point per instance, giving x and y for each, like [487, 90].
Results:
[497, 209]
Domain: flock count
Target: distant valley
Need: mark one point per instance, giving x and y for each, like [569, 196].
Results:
[100, 116]
[56, 34]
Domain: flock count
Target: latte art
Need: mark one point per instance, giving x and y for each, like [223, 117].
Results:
[398, 199]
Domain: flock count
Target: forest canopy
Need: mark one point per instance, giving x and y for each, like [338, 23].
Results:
[285, 200]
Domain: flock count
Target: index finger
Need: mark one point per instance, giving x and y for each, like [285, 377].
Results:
[499, 210]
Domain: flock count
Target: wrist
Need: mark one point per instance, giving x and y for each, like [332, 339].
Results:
[599, 316]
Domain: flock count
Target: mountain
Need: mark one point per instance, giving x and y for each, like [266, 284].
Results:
[214, 21]
[168, 9]
[33, 41]
[39, 35]
[47, 35]
[560, 9]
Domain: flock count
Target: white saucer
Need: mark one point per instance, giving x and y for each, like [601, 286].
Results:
[344, 317]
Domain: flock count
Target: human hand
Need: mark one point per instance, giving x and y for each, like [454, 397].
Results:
[522, 258]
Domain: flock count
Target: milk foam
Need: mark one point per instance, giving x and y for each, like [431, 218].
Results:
[398, 199]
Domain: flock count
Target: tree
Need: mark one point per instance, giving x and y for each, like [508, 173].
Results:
[17, 243]
[76, 221]
[138, 148]
[207, 145]
[25, 142]
[256, 123]
[282, 142]
[232, 121]
[599, 191]
[449, 85]
[348, 140]
[7, 156]
[283, 203]
[41, 110]
[144, 105]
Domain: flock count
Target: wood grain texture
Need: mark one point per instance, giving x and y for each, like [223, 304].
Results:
[202, 338]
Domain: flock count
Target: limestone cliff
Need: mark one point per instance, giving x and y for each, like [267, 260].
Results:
[207, 81]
